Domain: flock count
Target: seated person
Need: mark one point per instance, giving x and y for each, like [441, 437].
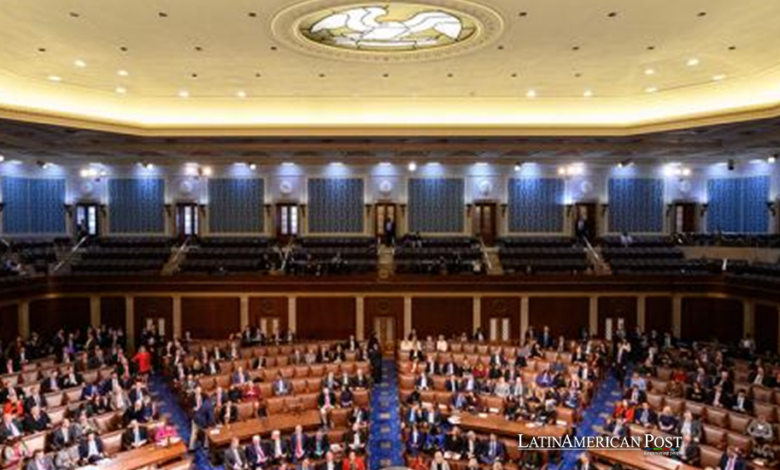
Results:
[434, 441]
[354, 440]
[635, 396]
[346, 398]
[454, 443]
[134, 436]
[91, 449]
[492, 451]
[742, 403]
[667, 421]
[760, 430]
[689, 426]
[277, 448]
[256, 454]
[617, 428]
[299, 444]
[65, 435]
[353, 462]
[415, 441]
[688, 452]
[37, 421]
[280, 386]
[14, 453]
[234, 456]
[326, 401]
[645, 416]
[10, 429]
[358, 416]
[320, 445]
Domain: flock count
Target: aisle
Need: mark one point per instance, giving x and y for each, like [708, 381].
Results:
[384, 442]
[168, 404]
[594, 415]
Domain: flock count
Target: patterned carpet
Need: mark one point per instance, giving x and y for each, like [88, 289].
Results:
[384, 442]
[595, 415]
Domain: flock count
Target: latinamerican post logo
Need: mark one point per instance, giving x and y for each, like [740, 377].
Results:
[649, 444]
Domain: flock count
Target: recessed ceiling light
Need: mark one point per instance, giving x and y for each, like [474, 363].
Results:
[162, 14]
[241, 94]
[55, 78]
[198, 49]
[194, 76]
[273, 48]
[612, 14]
[651, 89]
[588, 93]
[258, 75]
[702, 14]
[650, 48]
[771, 159]
[41, 50]
[288, 163]
[74, 14]
[322, 75]
[649, 71]
[718, 77]
[575, 48]
[184, 94]
[412, 166]
[79, 63]
[121, 90]
[523, 14]
[253, 166]
[693, 62]
[123, 48]
[385, 75]
[530, 94]
[732, 48]
[252, 14]
[2, 158]
[122, 73]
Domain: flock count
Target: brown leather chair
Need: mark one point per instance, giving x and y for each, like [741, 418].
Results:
[676, 404]
[739, 441]
[316, 370]
[348, 367]
[656, 401]
[54, 399]
[275, 406]
[287, 372]
[223, 380]
[444, 398]
[35, 441]
[272, 351]
[765, 410]
[301, 372]
[739, 422]
[225, 367]
[566, 414]
[710, 456]
[270, 373]
[207, 383]
[331, 368]
[494, 403]
[340, 417]
[717, 417]
[762, 394]
[659, 386]
[456, 347]
[299, 386]
[698, 409]
[714, 436]
[427, 396]
[406, 382]
[469, 348]
[439, 383]
[246, 411]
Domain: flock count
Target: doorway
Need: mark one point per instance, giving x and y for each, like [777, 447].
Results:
[287, 220]
[187, 223]
[268, 326]
[500, 329]
[382, 213]
[384, 326]
[683, 217]
[87, 220]
[585, 220]
[484, 222]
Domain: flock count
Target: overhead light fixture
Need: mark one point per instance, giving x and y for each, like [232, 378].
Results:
[686, 172]
[625, 163]
[2, 158]
[587, 93]
[434, 164]
[693, 62]
[731, 164]
[649, 71]
[385, 163]
[518, 166]
[288, 164]
[206, 171]
[122, 73]
[43, 165]
[121, 90]
[146, 165]
[253, 166]
[412, 166]
[337, 163]
[771, 159]
[719, 77]
[184, 94]
[55, 78]
[241, 94]
[89, 172]
[651, 89]
[531, 94]
[79, 63]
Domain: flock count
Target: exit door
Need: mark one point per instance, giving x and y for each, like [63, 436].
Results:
[484, 222]
[684, 217]
[385, 212]
[187, 223]
[286, 222]
[385, 331]
[585, 220]
[87, 220]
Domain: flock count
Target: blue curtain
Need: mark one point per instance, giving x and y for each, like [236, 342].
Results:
[536, 205]
[436, 205]
[738, 204]
[33, 206]
[636, 205]
[335, 205]
[136, 205]
[236, 205]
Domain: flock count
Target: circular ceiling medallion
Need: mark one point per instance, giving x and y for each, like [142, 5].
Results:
[387, 32]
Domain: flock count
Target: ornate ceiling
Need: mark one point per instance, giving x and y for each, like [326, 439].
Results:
[508, 67]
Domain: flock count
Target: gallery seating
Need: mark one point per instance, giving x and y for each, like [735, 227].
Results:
[542, 255]
[231, 255]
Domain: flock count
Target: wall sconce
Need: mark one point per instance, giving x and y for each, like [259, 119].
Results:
[703, 211]
[468, 209]
[368, 209]
[604, 208]
[403, 208]
[268, 208]
[569, 209]
[772, 207]
[504, 207]
[669, 208]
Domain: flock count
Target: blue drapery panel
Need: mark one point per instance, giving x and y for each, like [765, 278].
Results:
[136, 205]
[738, 204]
[636, 205]
[33, 206]
[335, 205]
[536, 205]
[236, 205]
[436, 205]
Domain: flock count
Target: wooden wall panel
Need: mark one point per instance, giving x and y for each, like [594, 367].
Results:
[383, 307]
[113, 312]
[260, 307]
[617, 307]
[707, 318]
[499, 307]
[210, 317]
[442, 315]
[153, 307]
[47, 316]
[564, 315]
[9, 323]
[658, 314]
[325, 317]
[765, 326]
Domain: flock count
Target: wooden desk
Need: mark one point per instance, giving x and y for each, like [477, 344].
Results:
[496, 424]
[221, 437]
[146, 456]
[636, 458]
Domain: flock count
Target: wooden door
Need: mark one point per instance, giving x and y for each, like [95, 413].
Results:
[484, 222]
[684, 217]
[87, 220]
[586, 220]
[187, 223]
[384, 326]
[384, 212]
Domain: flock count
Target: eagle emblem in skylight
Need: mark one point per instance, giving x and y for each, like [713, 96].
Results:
[387, 28]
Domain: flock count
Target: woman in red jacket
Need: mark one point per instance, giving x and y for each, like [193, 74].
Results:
[143, 360]
[353, 462]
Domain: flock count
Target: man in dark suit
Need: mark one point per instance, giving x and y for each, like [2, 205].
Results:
[51, 383]
[256, 454]
[320, 445]
[234, 457]
[583, 463]
[202, 416]
[689, 452]
[645, 416]
[277, 448]
[36, 421]
[732, 460]
[742, 403]
[454, 442]
[10, 429]
[91, 449]
[299, 444]
[135, 436]
[229, 413]
[492, 451]
[40, 461]
[66, 435]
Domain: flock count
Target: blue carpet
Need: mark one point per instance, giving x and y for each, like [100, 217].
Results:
[384, 441]
[601, 404]
[168, 403]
